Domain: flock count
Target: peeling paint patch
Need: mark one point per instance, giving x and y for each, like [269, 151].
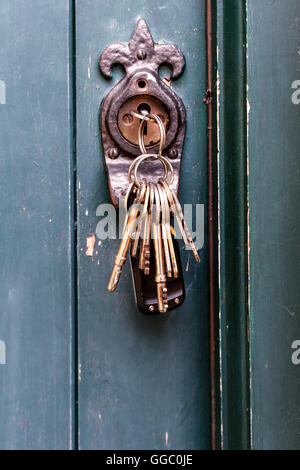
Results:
[90, 243]
[89, 67]
[2, 352]
[290, 312]
[2, 92]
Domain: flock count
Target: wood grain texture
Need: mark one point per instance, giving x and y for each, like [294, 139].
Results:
[35, 249]
[143, 382]
[274, 191]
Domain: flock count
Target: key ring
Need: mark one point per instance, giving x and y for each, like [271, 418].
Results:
[154, 156]
[145, 156]
[136, 160]
[144, 119]
[164, 162]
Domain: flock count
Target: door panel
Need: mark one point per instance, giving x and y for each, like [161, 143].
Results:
[143, 381]
[274, 191]
[36, 266]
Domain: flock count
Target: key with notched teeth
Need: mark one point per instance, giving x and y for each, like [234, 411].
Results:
[144, 262]
[160, 275]
[185, 227]
[141, 223]
[129, 194]
[126, 240]
[175, 212]
[164, 216]
[168, 231]
[178, 213]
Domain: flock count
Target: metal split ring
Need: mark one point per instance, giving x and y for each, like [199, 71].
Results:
[168, 168]
[166, 164]
[162, 130]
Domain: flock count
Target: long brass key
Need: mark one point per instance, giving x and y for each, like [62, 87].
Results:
[130, 190]
[141, 221]
[186, 229]
[160, 277]
[164, 210]
[144, 262]
[177, 211]
[126, 240]
[168, 232]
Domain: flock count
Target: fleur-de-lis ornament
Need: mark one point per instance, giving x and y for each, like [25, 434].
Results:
[141, 51]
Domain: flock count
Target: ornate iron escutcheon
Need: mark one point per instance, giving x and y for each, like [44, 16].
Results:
[142, 120]
[141, 90]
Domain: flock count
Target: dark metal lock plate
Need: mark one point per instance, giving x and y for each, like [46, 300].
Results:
[141, 59]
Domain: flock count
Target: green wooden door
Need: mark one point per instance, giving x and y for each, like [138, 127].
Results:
[81, 367]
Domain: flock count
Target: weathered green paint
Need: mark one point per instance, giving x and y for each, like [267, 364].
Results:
[143, 382]
[230, 25]
[36, 281]
[274, 190]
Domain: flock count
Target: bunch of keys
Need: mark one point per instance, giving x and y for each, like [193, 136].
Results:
[149, 236]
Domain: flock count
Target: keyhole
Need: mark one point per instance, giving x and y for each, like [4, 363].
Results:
[144, 108]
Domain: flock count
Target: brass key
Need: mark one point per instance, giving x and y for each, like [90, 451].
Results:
[177, 210]
[186, 229]
[126, 240]
[160, 277]
[168, 233]
[140, 223]
[130, 191]
[144, 262]
[164, 210]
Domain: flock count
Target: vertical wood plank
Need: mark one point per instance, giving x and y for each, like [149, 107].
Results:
[233, 238]
[143, 382]
[36, 274]
[274, 189]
